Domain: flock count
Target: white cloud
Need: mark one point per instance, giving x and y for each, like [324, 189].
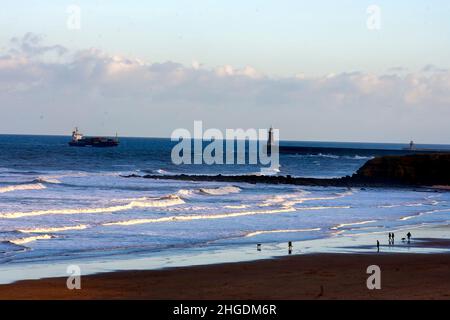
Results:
[52, 80]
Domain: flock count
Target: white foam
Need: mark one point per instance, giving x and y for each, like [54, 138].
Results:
[293, 199]
[422, 213]
[339, 226]
[356, 157]
[256, 233]
[22, 241]
[221, 190]
[324, 207]
[185, 192]
[49, 179]
[171, 200]
[331, 156]
[216, 216]
[197, 217]
[53, 229]
[242, 206]
[21, 187]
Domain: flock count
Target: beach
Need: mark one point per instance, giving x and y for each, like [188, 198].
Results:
[327, 270]
[313, 276]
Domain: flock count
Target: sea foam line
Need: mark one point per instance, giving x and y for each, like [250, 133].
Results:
[213, 216]
[22, 241]
[290, 200]
[256, 233]
[221, 190]
[422, 213]
[144, 203]
[20, 187]
[54, 229]
[339, 226]
[197, 217]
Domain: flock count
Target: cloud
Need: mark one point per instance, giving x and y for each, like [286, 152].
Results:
[31, 45]
[53, 80]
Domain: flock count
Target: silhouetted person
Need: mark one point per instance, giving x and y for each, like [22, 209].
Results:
[409, 236]
[258, 247]
[390, 238]
[378, 246]
[393, 237]
[290, 247]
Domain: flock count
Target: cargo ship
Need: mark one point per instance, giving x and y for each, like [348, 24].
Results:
[78, 140]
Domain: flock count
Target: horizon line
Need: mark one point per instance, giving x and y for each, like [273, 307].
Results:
[168, 138]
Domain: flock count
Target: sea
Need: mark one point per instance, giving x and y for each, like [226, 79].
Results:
[61, 203]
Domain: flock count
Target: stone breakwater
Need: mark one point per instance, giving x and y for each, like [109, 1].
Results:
[386, 171]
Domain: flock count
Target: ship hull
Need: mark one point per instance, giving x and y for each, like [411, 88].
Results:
[94, 142]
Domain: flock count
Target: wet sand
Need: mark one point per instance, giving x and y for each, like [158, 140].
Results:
[309, 276]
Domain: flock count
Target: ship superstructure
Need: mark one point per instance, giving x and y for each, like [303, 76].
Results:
[78, 140]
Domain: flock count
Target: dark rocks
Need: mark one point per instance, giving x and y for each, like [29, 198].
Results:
[386, 171]
[419, 169]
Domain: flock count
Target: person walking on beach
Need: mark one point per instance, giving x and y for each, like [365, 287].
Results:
[390, 238]
[378, 246]
[408, 235]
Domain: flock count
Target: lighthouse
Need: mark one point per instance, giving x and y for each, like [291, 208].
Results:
[270, 141]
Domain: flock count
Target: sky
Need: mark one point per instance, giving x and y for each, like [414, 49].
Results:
[323, 70]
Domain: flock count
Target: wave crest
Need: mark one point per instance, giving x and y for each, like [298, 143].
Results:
[220, 190]
[23, 241]
[256, 233]
[53, 229]
[21, 187]
[165, 201]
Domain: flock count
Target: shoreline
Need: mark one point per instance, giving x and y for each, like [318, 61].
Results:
[244, 273]
[311, 276]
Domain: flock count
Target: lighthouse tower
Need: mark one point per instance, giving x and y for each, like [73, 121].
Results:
[270, 141]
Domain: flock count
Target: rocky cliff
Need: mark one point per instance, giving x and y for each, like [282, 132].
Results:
[419, 169]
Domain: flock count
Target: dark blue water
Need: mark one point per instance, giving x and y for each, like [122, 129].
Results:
[153, 155]
[60, 202]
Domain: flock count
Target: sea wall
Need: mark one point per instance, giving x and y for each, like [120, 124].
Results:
[385, 171]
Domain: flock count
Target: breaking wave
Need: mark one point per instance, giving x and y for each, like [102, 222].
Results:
[216, 216]
[331, 156]
[242, 206]
[21, 187]
[26, 240]
[335, 156]
[342, 225]
[293, 199]
[256, 233]
[220, 190]
[197, 217]
[53, 229]
[422, 213]
[356, 157]
[185, 192]
[166, 201]
[48, 180]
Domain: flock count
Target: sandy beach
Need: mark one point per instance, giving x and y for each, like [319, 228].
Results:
[312, 276]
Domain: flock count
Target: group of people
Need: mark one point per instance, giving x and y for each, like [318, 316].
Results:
[392, 239]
